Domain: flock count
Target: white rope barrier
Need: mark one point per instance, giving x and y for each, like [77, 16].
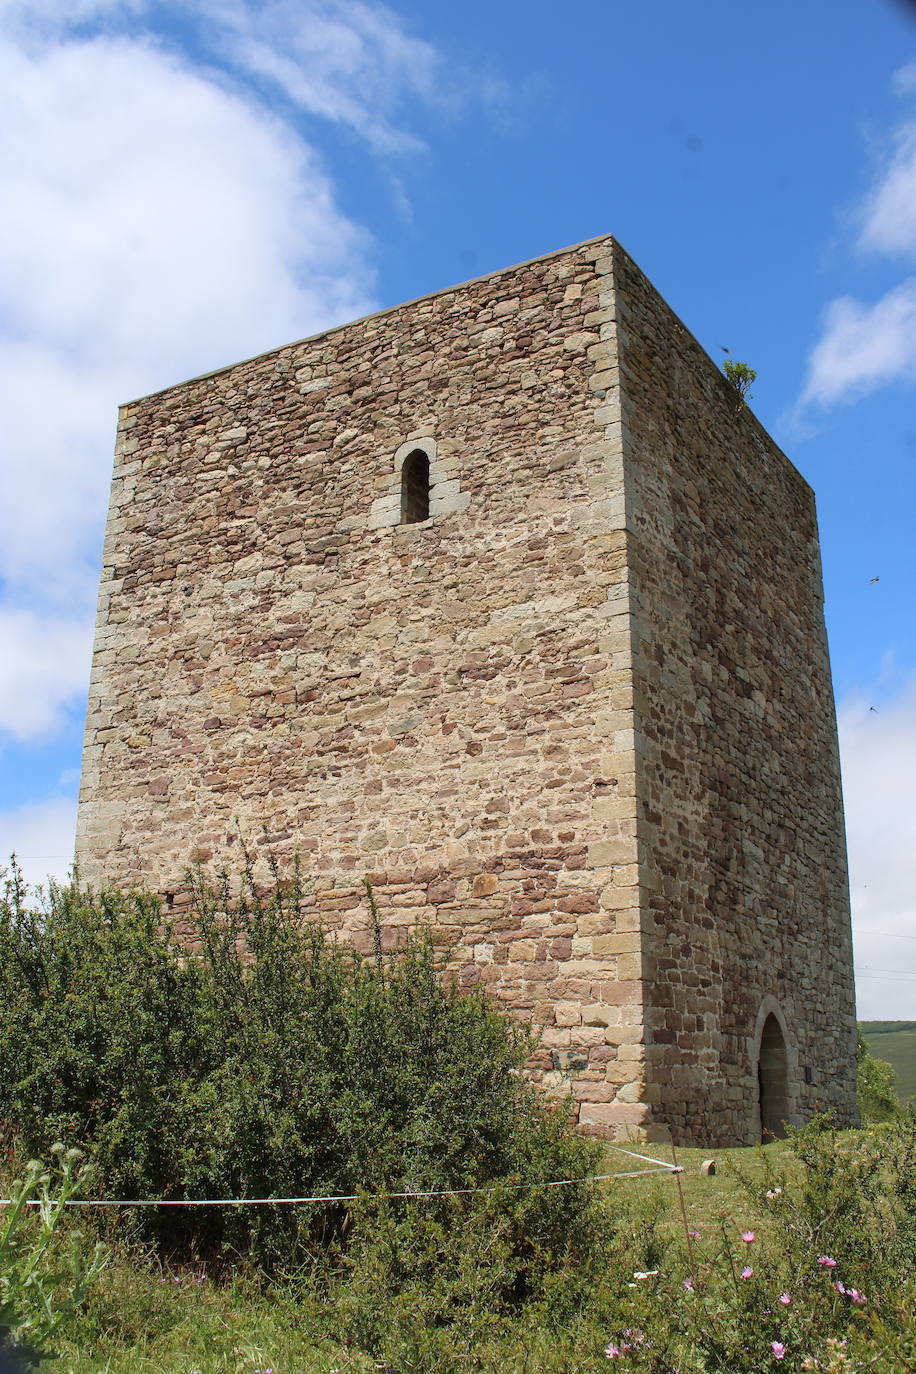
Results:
[672, 1168]
[660, 1168]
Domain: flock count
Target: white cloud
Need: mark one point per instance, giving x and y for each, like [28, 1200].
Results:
[42, 836]
[155, 217]
[161, 218]
[44, 669]
[156, 225]
[889, 219]
[35, 22]
[878, 749]
[349, 61]
[340, 59]
[863, 346]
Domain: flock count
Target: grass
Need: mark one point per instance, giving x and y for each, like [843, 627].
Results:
[708, 1198]
[895, 1042]
[143, 1320]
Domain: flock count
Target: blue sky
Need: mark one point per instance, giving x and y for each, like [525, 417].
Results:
[185, 185]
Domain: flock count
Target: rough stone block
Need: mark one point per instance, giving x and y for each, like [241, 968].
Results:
[568, 1014]
[613, 1113]
[605, 853]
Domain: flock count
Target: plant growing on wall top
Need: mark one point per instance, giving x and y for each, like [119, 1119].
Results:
[740, 378]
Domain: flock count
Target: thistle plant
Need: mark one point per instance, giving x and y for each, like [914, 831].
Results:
[42, 1278]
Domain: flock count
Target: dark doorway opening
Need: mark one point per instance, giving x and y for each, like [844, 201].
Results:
[415, 488]
[773, 1080]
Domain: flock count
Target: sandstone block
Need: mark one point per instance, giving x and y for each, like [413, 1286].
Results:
[612, 1113]
[605, 853]
[600, 1014]
[568, 1014]
[630, 966]
[484, 885]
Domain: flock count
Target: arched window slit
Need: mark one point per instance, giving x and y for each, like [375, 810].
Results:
[415, 488]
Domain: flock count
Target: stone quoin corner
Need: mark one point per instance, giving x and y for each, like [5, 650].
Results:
[499, 597]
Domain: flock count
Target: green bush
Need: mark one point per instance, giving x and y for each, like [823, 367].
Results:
[254, 1057]
[876, 1085]
[740, 378]
[425, 1292]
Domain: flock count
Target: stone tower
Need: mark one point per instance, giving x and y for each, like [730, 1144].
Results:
[500, 596]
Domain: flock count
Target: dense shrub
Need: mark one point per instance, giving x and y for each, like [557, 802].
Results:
[254, 1057]
[876, 1085]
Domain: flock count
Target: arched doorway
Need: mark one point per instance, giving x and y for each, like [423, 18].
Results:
[773, 1080]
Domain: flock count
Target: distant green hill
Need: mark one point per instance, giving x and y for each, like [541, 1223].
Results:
[895, 1042]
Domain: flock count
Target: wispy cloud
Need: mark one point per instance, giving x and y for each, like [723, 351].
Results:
[904, 79]
[346, 61]
[889, 219]
[163, 214]
[865, 345]
[878, 749]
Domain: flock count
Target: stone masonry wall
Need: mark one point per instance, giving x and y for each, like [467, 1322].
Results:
[743, 884]
[446, 705]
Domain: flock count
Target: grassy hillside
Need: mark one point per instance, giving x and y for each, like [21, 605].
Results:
[895, 1042]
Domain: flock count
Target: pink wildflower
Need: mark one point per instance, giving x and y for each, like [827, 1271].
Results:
[748, 1237]
[778, 1349]
[747, 1272]
[693, 1233]
[613, 1351]
[785, 1299]
[689, 1285]
[826, 1262]
[839, 1287]
[856, 1296]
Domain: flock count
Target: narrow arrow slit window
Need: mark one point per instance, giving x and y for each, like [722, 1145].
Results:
[415, 488]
